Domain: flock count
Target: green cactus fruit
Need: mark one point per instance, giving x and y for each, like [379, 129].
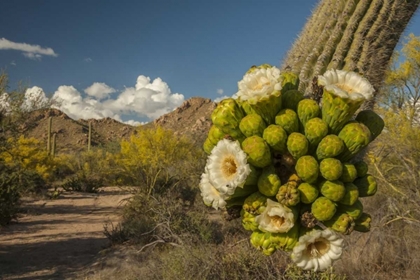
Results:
[288, 119]
[354, 211]
[255, 203]
[361, 168]
[268, 182]
[351, 195]
[307, 109]
[252, 178]
[215, 134]
[288, 195]
[333, 190]
[269, 242]
[323, 209]
[248, 221]
[329, 147]
[307, 169]
[276, 138]
[363, 223]
[373, 121]
[315, 130]
[291, 98]
[227, 115]
[290, 81]
[208, 146]
[349, 173]
[308, 193]
[251, 125]
[263, 241]
[355, 136]
[258, 151]
[253, 206]
[297, 145]
[331, 169]
[367, 185]
[341, 222]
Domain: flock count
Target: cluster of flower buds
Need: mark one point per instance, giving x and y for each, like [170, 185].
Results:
[290, 163]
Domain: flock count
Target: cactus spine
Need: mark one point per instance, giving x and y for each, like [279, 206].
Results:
[357, 35]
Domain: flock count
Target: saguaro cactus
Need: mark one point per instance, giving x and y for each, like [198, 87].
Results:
[90, 135]
[353, 35]
[49, 135]
[53, 144]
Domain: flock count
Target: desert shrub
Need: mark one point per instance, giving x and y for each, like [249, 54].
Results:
[15, 182]
[157, 158]
[29, 154]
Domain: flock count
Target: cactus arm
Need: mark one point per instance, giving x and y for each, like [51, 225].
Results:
[49, 135]
[53, 145]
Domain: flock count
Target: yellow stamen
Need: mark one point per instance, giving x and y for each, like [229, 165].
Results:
[346, 88]
[277, 221]
[317, 249]
[229, 166]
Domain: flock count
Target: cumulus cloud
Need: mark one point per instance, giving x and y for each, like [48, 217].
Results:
[30, 51]
[99, 90]
[220, 91]
[34, 98]
[147, 98]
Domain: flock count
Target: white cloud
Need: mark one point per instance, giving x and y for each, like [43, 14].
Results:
[34, 99]
[99, 90]
[30, 51]
[88, 59]
[148, 98]
[220, 91]
[221, 98]
[13, 63]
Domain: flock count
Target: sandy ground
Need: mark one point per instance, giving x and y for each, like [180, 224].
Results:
[55, 239]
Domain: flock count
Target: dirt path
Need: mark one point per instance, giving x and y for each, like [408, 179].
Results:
[57, 238]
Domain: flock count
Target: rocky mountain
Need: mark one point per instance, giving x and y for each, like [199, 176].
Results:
[192, 119]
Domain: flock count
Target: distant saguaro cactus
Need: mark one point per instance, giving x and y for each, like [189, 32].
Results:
[53, 145]
[90, 135]
[49, 135]
[354, 35]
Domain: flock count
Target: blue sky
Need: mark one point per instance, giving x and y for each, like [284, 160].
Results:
[194, 47]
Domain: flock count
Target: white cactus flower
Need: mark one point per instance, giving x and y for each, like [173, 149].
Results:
[227, 166]
[259, 83]
[317, 250]
[211, 196]
[275, 218]
[346, 84]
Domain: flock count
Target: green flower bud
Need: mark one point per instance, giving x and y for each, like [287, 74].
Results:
[297, 145]
[253, 206]
[291, 98]
[307, 109]
[308, 193]
[331, 169]
[363, 223]
[349, 173]
[333, 190]
[288, 119]
[341, 222]
[208, 146]
[315, 130]
[354, 211]
[227, 116]
[263, 241]
[269, 242]
[367, 185]
[351, 195]
[276, 138]
[269, 183]
[373, 122]
[323, 209]
[251, 125]
[307, 169]
[258, 151]
[355, 136]
[215, 134]
[330, 146]
[361, 168]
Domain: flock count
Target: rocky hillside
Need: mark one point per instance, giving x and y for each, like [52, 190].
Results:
[192, 118]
